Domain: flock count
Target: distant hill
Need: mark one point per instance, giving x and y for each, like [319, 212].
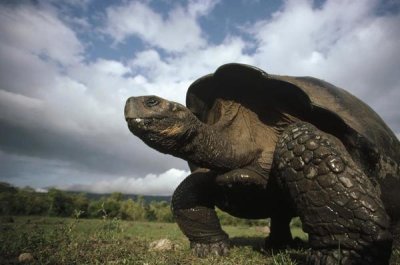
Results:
[6, 187]
[147, 198]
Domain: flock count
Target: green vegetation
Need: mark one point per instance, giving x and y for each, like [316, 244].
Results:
[112, 229]
[54, 240]
[115, 229]
[57, 203]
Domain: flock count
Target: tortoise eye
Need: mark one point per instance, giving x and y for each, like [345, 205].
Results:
[151, 102]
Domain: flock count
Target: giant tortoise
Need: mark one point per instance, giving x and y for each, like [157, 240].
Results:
[269, 146]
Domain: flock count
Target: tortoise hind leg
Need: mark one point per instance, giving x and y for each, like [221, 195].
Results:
[339, 207]
[193, 207]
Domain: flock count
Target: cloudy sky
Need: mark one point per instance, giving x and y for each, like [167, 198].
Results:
[67, 67]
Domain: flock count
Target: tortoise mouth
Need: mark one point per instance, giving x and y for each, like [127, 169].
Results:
[137, 120]
[140, 120]
[142, 123]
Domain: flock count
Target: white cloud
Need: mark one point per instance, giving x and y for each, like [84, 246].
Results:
[197, 8]
[67, 110]
[299, 37]
[343, 42]
[71, 110]
[171, 76]
[110, 67]
[177, 32]
[151, 184]
[48, 36]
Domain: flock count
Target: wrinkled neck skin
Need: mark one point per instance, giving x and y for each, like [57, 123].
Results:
[205, 147]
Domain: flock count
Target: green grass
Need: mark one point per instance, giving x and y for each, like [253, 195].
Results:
[88, 241]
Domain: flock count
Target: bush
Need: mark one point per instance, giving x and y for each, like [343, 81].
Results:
[15, 201]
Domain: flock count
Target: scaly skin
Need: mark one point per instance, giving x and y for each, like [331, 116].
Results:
[337, 203]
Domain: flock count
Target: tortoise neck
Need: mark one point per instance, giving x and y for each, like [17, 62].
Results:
[206, 147]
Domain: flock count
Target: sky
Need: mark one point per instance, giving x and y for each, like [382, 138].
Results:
[67, 68]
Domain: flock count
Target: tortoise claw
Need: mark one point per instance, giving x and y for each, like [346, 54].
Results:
[202, 250]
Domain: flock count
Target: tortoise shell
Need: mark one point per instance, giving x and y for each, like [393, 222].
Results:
[276, 99]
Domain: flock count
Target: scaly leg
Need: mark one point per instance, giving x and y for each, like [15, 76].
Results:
[193, 207]
[337, 203]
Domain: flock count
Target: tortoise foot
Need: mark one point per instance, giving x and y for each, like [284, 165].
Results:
[202, 250]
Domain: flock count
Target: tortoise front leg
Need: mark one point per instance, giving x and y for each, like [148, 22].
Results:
[193, 205]
[247, 193]
[337, 203]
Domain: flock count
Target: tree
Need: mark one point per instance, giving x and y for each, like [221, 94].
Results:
[132, 210]
[61, 204]
[162, 211]
[81, 204]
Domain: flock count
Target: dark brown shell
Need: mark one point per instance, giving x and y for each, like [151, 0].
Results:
[333, 110]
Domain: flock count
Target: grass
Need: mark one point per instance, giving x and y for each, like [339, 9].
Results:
[90, 241]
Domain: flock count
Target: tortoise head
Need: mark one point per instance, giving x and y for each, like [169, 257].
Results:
[158, 122]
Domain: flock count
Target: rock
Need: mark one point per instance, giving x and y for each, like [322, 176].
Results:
[25, 257]
[162, 245]
[263, 229]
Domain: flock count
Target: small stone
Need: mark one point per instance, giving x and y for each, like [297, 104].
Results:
[263, 229]
[161, 245]
[25, 257]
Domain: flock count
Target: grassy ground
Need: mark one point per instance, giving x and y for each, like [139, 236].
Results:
[70, 241]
